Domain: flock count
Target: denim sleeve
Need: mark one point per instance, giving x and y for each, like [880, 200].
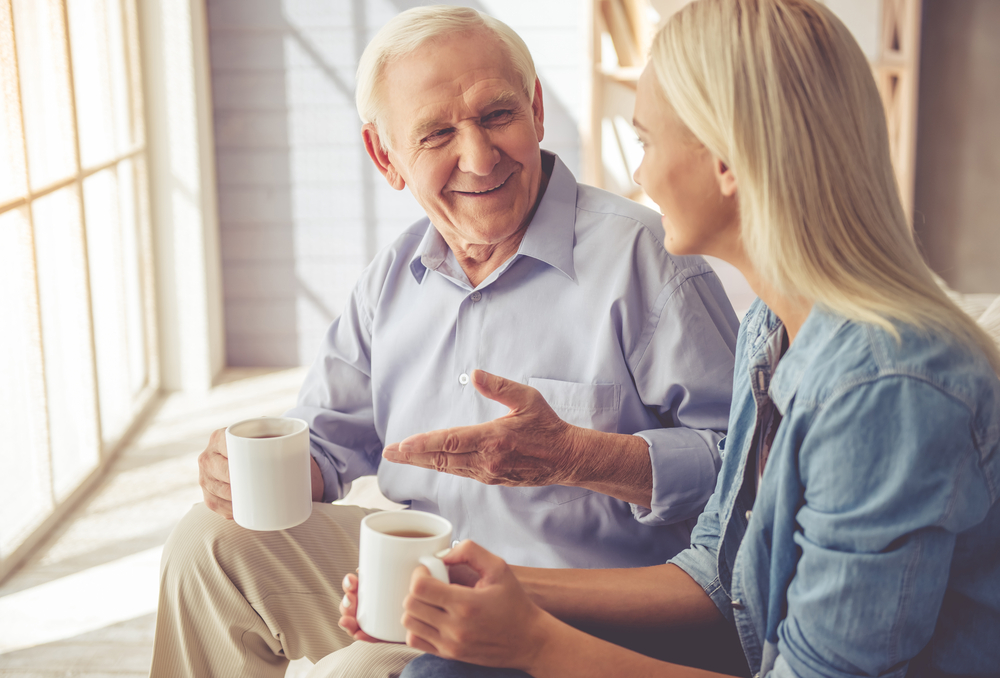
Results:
[336, 402]
[685, 372]
[701, 560]
[890, 475]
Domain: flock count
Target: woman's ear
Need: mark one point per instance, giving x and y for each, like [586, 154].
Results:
[380, 156]
[726, 178]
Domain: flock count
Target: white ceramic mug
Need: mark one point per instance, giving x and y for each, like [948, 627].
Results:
[393, 543]
[269, 472]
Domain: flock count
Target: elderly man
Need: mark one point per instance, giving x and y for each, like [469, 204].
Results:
[587, 439]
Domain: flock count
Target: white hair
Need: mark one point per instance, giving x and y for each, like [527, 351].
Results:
[780, 92]
[411, 29]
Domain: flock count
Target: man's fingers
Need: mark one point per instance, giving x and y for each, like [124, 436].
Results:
[442, 461]
[221, 506]
[218, 466]
[217, 488]
[458, 440]
[217, 442]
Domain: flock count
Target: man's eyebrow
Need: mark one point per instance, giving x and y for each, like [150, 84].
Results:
[505, 99]
[500, 100]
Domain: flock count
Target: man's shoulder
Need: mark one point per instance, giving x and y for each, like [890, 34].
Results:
[390, 262]
[620, 223]
[605, 207]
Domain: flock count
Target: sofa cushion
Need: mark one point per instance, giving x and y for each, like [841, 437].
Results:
[990, 320]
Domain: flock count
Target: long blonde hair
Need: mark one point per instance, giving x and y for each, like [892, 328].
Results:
[781, 92]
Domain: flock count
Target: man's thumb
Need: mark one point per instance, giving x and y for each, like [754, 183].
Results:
[504, 391]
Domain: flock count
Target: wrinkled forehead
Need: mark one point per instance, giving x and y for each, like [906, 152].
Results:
[447, 79]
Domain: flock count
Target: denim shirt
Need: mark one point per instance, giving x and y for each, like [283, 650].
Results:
[872, 544]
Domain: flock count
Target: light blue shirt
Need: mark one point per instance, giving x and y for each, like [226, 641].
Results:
[872, 547]
[616, 334]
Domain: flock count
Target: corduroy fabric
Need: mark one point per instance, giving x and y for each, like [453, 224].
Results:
[234, 602]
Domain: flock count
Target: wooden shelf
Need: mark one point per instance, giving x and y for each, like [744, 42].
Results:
[620, 34]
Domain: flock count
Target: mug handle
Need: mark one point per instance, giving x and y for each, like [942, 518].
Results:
[436, 566]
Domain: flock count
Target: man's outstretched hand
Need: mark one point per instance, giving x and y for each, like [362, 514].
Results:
[529, 446]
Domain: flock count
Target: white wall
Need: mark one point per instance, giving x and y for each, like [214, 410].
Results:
[957, 201]
[301, 208]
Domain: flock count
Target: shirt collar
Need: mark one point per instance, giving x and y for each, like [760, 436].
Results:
[548, 238]
[811, 341]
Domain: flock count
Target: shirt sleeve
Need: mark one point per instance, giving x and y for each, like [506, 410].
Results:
[336, 402]
[684, 372]
[890, 477]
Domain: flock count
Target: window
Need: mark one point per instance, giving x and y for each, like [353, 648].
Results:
[77, 350]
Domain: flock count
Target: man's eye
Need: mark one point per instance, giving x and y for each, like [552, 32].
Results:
[497, 116]
[438, 136]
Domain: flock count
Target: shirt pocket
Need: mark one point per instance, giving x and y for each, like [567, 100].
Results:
[593, 406]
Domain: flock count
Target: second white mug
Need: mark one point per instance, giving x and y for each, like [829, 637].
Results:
[393, 543]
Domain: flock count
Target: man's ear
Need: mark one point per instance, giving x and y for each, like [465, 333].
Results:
[726, 178]
[538, 111]
[380, 156]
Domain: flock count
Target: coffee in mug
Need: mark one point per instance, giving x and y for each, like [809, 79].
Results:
[393, 544]
[269, 472]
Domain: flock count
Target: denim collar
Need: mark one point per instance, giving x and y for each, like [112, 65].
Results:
[783, 382]
[549, 237]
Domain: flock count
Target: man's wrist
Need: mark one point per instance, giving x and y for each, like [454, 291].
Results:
[576, 462]
[616, 464]
[316, 480]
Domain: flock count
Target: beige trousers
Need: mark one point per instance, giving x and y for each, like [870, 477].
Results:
[234, 602]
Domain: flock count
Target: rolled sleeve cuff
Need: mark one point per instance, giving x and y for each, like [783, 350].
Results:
[685, 463]
[333, 489]
[701, 564]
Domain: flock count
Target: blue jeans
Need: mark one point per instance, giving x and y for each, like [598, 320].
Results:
[715, 647]
[429, 666]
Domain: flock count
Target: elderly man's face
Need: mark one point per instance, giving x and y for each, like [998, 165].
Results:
[464, 137]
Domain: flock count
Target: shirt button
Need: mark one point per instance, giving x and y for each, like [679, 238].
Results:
[476, 296]
[463, 379]
[737, 605]
[748, 514]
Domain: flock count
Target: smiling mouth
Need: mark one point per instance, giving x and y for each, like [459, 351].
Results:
[486, 190]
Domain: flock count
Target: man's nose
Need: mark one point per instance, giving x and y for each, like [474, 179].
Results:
[477, 154]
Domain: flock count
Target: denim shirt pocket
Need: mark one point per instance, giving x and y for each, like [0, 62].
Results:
[593, 406]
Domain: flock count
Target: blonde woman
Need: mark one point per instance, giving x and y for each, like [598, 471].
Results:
[855, 527]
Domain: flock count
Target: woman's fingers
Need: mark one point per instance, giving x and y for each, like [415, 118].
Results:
[350, 583]
[418, 611]
[475, 562]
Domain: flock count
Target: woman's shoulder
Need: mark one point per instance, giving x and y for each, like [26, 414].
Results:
[840, 357]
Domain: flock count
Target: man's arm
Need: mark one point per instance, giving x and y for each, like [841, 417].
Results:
[336, 402]
[532, 446]
[683, 370]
